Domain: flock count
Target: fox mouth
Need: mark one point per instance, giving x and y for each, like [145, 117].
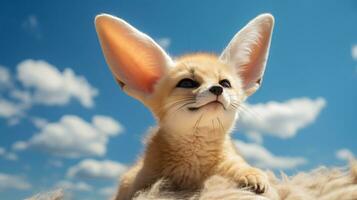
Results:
[207, 104]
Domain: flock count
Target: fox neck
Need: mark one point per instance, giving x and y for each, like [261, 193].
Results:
[195, 135]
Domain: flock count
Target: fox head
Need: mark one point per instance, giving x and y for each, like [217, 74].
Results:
[193, 91]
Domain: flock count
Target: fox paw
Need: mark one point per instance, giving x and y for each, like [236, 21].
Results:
[253, 179]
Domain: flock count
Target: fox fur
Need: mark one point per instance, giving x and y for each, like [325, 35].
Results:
[319, 184]
[195, 99]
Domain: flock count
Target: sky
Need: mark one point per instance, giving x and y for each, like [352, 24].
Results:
[65, 123]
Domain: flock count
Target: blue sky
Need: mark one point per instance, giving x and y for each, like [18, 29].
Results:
[54, 81]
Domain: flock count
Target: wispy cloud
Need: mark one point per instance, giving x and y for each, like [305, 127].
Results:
[164, 42]
[5, 78]
[9, 109]
[344, 154]
[354, 54]
[8, 155]
[73, 186]
[96, 169]
[78, 137]
[108, 191]
[55, 163]
[9, 181]
[39, 122]
[32, 26]
[280, 119]
[261, 157]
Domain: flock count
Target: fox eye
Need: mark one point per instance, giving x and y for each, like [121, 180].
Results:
[187, 83]
[225, 83]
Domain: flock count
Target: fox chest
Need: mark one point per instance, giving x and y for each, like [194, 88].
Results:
[190, 165]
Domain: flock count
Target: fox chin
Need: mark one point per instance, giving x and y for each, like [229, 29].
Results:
[195, 98]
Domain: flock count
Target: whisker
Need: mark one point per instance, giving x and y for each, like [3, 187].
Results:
[251, 112]
[220, 123]
[198, 122]
[179, 101]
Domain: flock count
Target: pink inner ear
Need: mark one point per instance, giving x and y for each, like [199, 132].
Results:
[248, 50]
[131, 55]
[253, 71]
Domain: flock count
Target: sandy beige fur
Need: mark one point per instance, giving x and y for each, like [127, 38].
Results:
[319, 184]
[189, 154]
[188, 157]
[192, 141]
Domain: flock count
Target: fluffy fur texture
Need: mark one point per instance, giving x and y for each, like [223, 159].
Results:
[319, 184]
[195, 99]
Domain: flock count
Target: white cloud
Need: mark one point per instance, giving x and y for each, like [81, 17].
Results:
[107, 125]
[11, 156]
[90, 168]
[344, 154]
[39, 82]
[108, 191]
[39, 122]
[8, 155]
[23, 96]
[72, 137]
[280, 119]
[73, 186]
[19, 146]
[164, 42]
[5, 77]
[53, 87]
[55, 163]
[354, 52]
[31, 25]
[9, 109]
[261, 157]
[8, 181]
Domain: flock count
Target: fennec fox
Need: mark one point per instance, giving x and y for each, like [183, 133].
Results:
[195, 100]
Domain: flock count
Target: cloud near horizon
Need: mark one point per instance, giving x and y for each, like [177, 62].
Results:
[164, 42]
[96, 169]
[261, 157]
[345, 154]
[9, 181]
[73, 186]
[8, 155]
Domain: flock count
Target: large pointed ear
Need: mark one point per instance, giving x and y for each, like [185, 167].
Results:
[248, 51]
[135, 60]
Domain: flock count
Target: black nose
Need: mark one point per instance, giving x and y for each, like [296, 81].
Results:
[216, 90]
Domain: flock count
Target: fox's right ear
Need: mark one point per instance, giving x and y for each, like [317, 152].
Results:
[136, 61]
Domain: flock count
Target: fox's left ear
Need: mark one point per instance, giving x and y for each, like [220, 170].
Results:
[248, 51]
[136, 61]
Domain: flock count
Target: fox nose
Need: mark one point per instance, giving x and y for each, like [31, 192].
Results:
[216, 90]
